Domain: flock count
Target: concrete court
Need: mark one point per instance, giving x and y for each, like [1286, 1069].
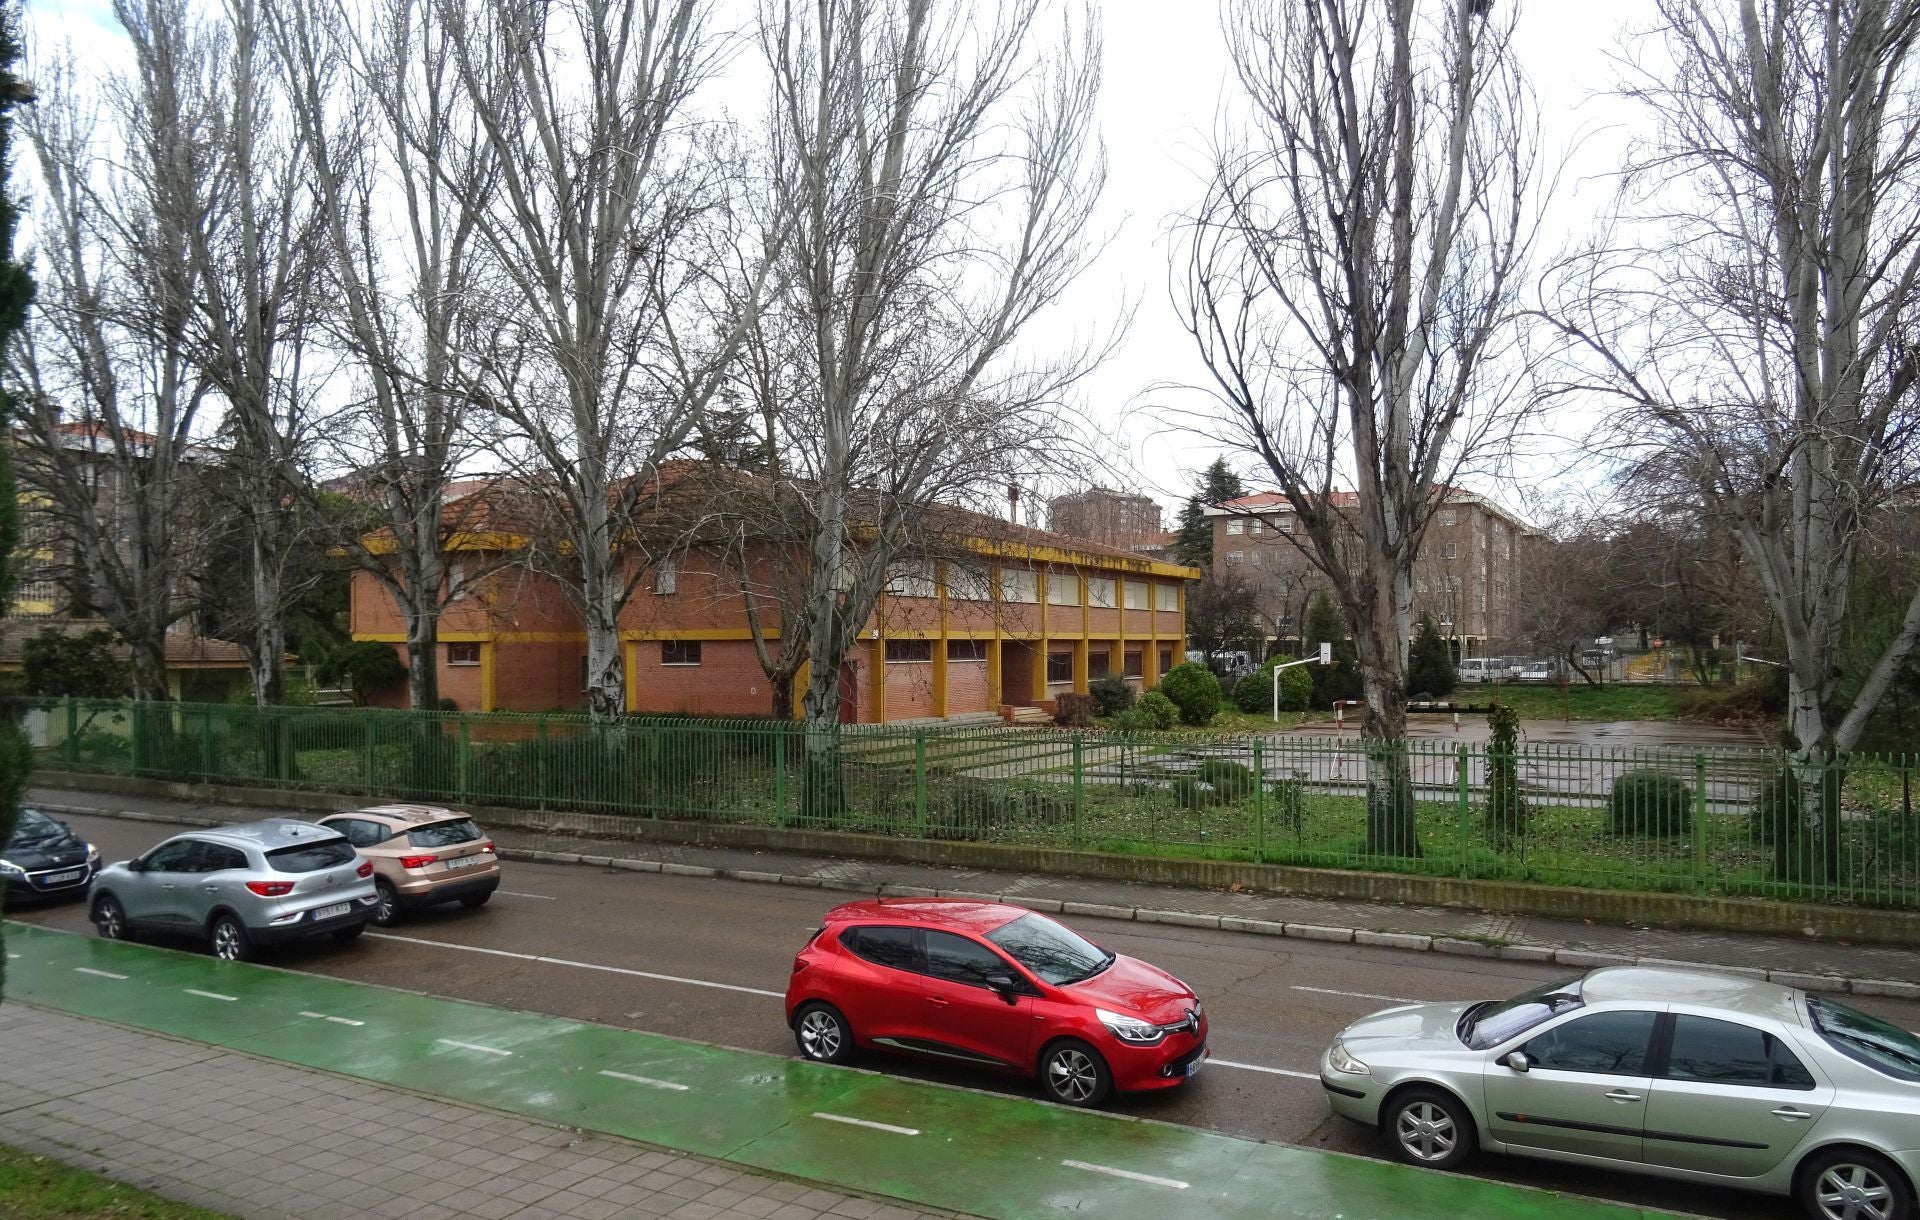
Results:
[955, 1149]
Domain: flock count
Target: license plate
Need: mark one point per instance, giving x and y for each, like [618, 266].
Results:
[461, 862]
[1195, 1065]
[57, 878]
[338, 908]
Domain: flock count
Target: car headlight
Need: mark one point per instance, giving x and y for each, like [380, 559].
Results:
[8, 866]
[1130, 1029]
[1340, 1061]
[93, 854]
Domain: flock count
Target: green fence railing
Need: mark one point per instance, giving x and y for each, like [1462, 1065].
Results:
[1725, 821]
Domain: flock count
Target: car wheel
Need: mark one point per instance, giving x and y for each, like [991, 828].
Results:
[1430, 1128]
[109, 918]
[388, 908]
[470, 901]
[822, 1034]
[230, 942]
[1854, 1184]
[344, 935]
[1074, 1074]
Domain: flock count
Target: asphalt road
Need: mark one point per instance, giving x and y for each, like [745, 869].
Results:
[708, 960]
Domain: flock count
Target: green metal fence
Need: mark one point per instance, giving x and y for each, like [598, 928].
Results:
[1731, 822]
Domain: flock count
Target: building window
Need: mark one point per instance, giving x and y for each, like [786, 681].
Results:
[1283, 524]
[966, 650]
[910, 580]
[463, 654]
[1063, 589]
[1100, 593]
[1253, 529]
[1166, 597]
[1449, 517]
[1135, 662]
[1236, 556]
[899, 651]
[1059, 667]
[1136, 595]
[1235, 526]
[679, 652]
[966, 585]
[1166, 660]
[1450, 551]
[1098, 662]
[666, 577]
[1018, 585]
[457, 580]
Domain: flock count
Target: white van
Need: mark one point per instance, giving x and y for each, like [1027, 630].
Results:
[1483, 669]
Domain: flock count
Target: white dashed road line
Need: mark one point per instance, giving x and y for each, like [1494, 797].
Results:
[861, 1122]
[518, 894]
[475, 1046]
[99, 974]
[1128, 1174]
[1358, 995]
[649, 1081]
[321, 1016]
[561, 961]
[1254, 1067]
[209, 995]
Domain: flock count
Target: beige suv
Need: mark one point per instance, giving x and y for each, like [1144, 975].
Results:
[422, 854]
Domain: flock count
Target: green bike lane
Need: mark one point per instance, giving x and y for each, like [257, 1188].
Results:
[984, 1154]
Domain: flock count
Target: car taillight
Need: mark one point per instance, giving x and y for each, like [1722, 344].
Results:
[487, 845]
[270, 889]
[800, 963]
[417, 861]
[365, 869]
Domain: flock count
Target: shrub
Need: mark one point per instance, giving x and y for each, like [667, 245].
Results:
[1229, 780]
[1777, 808]
[1073, 711]
[1254, 693]
[1160, 708]
[1430, 669]
[1287, 804]
[1112, 694]
[1194, 690]
[1188, 793]
[1506, 811]
[1135, 720]
[1650, 802]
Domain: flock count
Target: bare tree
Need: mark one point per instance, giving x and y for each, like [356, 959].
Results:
[1346, 279]
[604, 237]
[938, 169]
[399, 171]
[112, 394]
[1757, 316]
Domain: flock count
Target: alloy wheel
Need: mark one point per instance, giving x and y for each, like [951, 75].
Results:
[1426, 1131]
[107, 918]
[820, 1034]
[388, 905]
[1071, 1075]
[1853, 1192]
[226, 941]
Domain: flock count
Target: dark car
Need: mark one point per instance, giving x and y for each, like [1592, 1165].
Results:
[43, 858]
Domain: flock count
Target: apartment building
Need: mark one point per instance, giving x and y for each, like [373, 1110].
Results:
[1011, 619]
[1464, 579]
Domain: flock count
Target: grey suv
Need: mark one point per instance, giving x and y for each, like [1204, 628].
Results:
[239, 887]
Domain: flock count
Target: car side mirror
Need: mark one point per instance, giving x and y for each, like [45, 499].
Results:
[1518, 1061]
[1004, 985]
[136, 865]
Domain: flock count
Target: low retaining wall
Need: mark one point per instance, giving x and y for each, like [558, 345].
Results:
[1757, 916]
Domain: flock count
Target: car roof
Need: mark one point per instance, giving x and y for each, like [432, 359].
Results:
[410, 815]
[1707, 988]
[968, 914]
[267, 834]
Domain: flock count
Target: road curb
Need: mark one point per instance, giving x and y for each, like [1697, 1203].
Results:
[1405, 942]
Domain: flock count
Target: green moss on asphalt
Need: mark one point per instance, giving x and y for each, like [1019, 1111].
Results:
[41, 1188]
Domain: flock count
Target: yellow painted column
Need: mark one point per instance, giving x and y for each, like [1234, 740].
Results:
[995, 689]
[486, 675]
[1040, 580]
[940, 652]
[1180, 641]
[1150, 654]
[1086, 631]
[630, 667]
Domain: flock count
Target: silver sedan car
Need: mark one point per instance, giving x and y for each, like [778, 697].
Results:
[240, 887]
[1706, 1077]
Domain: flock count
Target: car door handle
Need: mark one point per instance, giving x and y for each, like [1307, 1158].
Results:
[211, 889]
[937, 1002]
[1621, 1095]
[168, 885]
[1790, 1113]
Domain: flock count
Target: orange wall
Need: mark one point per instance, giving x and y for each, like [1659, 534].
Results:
[967, 687]
[727, 682]
[909, 689]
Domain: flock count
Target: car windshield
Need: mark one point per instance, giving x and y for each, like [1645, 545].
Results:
[310, 857]
[1864, 1039]
[1055, 953]
[444, 834]
[34, 826]
[1489, 1024]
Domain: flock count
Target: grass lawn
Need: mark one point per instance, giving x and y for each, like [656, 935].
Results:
[1614, 702]
[38, 1188]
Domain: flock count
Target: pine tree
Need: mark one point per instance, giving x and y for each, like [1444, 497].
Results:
[1217, 484]
[1340, 680]
[1430, 669]
[16, 292]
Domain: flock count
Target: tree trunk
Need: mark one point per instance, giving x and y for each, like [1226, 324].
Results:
[1381, 645]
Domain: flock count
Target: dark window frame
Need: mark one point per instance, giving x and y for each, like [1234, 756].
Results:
[458, 652]
[1780, 1057]
[909, 652]
[1650, 1051]
[966, 650]
[1133, 663]
[918, 957]
[1053, 658]
[680, 654]
[1001, 964]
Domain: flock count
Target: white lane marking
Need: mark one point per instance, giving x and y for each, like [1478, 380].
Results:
[13, 957]
[1358, 995]
[518, 894]
[210, 995]
[1254, 1067]
[99, 974]
[861, 1122]
[475, 1046]
[1128, 1174]
[561, 961]
[321, 1016]
[646, 1080]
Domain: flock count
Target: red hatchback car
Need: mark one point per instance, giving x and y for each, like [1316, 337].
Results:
[996, 986]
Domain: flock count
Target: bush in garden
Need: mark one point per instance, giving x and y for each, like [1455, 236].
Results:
[1777, 808]
[1506, 811]
[1111, 694]
[1287, 803]
[1160, 708]
[1254, 693]
[1134, 720]
[1189, 794]
[1430, 668]
[1229, 780]
[1073, 711]
[1194, 690]
[1650, 802]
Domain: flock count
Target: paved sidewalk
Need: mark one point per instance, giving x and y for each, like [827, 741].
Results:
[257, 1138]
[1817, 964]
